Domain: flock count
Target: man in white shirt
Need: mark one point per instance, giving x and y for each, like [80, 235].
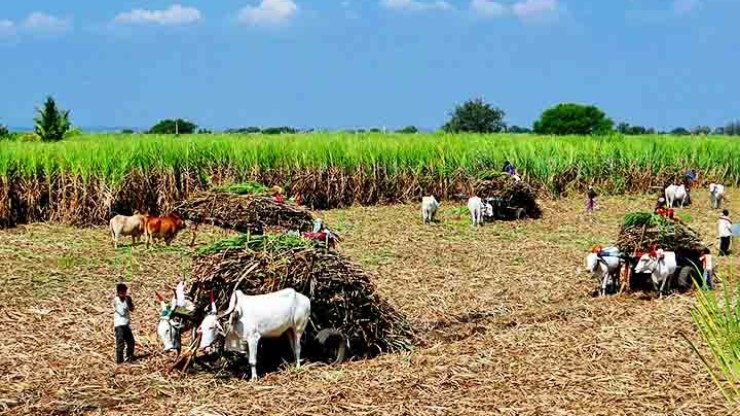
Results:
[123, 305]
[724, 229]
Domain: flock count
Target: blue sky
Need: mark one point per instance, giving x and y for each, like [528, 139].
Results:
[352, 63]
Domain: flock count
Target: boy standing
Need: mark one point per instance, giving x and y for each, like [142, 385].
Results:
[123, 306]
[591, 200]
[708, 265]
[724, 229]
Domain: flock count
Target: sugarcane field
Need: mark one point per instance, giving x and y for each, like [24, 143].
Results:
[406, 316]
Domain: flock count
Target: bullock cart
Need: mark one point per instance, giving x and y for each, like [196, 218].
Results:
[509, 199]
[348, 318]
[641, 232]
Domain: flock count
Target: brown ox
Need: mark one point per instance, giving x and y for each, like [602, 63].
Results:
[162, 228]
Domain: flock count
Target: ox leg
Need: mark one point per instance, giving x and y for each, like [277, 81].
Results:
[616, 280]
[253, 341]
[604, 280]
[297, 347]
[294, 337]
[655, 283]
[662, 286]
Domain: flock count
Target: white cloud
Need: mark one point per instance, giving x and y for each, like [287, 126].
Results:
[488, 8]
[7, 27]
[534, 8]
[685, 6]
[42, 22]
[416, 5]
[175, 15]
[268, 12]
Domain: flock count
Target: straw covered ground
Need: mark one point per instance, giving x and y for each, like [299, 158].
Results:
[504, 312]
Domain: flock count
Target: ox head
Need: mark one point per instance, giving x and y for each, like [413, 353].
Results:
[165, 329]
[209, 331]
[648, 263]
[166, 333]
[488, 209]
[592, 262]
[210, 328]
[178, 221]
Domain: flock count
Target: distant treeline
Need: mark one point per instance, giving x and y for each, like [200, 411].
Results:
[473, 116]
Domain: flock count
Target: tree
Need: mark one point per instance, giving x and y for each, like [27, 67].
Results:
[279, 130]
[518, 130]
[732, 128]
[719, 131]
[476, 116]
[4, 133]
[408, 130]
[570, 118]
[626, 129]
[701, 130]
[51, 122]
[170, 126]
[680, 131]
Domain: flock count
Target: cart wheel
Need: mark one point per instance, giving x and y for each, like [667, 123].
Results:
[521, 214]
[683, 282]
[333, 340]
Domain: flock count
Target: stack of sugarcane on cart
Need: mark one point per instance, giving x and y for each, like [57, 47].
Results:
[285, 248]
[506, 198]
[655, 251]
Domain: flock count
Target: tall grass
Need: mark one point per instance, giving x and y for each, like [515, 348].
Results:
[717, 315]
[546, 160]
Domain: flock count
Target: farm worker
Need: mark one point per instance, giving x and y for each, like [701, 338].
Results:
[509, 168]
[591, 199]
[724, 229]
[123, 305]
[660, 205]
[708, 265]
[277, 194]
[689, 179]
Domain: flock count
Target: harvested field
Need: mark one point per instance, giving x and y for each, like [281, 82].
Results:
[504, 313]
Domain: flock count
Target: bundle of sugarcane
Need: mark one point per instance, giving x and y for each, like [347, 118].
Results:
[342, 296]
[244, 213]
[642, 230]
[517, 194]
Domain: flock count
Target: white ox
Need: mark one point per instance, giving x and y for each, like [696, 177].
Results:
[675, 193]
[604, 266]
[476, 207]
[262, 316]
[429, 207]
[122, 225]
[168, 329]
[661, 268]
[716, 194]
